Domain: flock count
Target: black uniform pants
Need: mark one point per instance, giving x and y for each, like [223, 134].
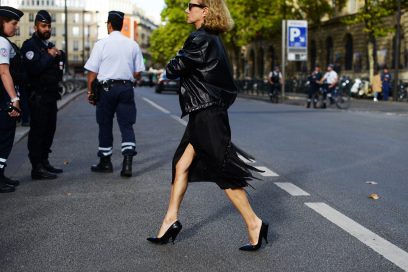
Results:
[7, 133]
[43, 123]
[119, 100]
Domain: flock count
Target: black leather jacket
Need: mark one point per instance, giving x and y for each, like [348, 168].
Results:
[204, 71]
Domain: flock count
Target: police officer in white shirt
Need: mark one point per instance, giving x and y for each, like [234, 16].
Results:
[115, 62]
[329, 81]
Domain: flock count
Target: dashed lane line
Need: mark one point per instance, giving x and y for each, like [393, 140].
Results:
[267, 172]
[291, 189]
[388, 250]
[160, 108]
[178, 119]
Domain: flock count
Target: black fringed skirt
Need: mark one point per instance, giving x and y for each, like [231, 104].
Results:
[216, 160]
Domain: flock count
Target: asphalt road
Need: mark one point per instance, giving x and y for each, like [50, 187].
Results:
[314, 195]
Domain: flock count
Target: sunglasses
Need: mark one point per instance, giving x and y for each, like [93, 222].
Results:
[191, 5]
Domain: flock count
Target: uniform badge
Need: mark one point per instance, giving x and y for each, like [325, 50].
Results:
[29, 55]
[3, 52]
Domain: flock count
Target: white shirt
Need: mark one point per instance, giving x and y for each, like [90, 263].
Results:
[115, 57]
[330, 77]
[6, 51]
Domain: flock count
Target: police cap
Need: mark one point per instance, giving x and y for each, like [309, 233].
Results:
[11, 13]
[43, 16]
[115, 16]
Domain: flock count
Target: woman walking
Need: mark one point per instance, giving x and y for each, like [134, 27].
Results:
[205, 152]
[10, 60]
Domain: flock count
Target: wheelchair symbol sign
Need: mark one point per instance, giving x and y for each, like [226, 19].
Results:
[297, 37]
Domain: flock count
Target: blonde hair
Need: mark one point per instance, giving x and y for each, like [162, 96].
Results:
[219, 18]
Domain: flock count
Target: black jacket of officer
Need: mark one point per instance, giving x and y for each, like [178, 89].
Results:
[44, 64]
[44, 70]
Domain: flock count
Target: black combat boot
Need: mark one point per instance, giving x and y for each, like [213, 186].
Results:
[308, 104]
[4, 187]
[127, 166]
[50, 168]
[104, 165]
[39, 172]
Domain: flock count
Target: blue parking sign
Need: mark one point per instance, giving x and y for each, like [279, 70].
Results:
[297, 37]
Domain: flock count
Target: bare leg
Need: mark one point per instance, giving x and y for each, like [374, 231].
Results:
[239, 198]
[178, 188]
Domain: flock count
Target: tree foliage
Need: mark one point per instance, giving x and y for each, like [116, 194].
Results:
[254, 20]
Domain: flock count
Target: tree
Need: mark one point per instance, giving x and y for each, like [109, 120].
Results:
[169, 37]
[371, 15]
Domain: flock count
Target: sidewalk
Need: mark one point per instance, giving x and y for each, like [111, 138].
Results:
[21, 132]
[361, 105]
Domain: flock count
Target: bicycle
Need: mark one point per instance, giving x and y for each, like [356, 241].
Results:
[339, 96]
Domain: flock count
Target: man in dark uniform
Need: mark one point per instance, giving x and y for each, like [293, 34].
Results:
[45, 69]
[314, 85]
[10, 67]
[115, 62]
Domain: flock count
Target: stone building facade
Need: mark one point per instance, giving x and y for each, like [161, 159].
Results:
[334, 42]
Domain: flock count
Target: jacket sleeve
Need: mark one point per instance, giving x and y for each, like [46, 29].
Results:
[191, 56]
[36, 61]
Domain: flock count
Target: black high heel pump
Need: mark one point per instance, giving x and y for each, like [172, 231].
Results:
[263, 233]
[171, 232]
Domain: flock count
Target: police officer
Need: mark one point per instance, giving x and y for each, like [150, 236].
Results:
[115, 62]
[9, 100]
[329, 81]
[386, 83]
[314, 85]
[45, 69]
[275, 80]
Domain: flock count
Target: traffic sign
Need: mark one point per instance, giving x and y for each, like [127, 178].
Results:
[297, 40]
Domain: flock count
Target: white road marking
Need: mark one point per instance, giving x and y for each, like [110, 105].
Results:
[156, 106]
[245, 160]
[268, 172]
[291, 189]
[390, 251]
[178, 119]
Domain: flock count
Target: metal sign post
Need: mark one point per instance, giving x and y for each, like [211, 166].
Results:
[283, 57]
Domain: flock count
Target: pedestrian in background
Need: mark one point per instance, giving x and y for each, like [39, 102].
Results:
[45, 64]
[386, 83]
[115, 62]
[376, 85]
[314, 85]
[9, 101]
[206, 152]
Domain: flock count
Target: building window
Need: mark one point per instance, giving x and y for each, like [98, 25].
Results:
[18, 32]
[31, 17]
[261, 63]
[76, 18]
[75, 31]
[348, 60]
[76, 45]
[53, 32]
[52, 17]
[313, 55]
[329, 51]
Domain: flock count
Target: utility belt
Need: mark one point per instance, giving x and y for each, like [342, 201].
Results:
[98, 86]
[108, 84]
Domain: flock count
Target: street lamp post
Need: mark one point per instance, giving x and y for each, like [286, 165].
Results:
[66, 37]
[397, 52]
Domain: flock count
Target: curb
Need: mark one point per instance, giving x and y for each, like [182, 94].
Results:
[21, 132]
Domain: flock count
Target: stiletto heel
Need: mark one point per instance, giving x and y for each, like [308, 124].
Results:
[171, 232]
[263, 234]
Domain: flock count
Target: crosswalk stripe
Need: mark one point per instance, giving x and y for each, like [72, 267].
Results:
[178, 119]
[390, 251]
